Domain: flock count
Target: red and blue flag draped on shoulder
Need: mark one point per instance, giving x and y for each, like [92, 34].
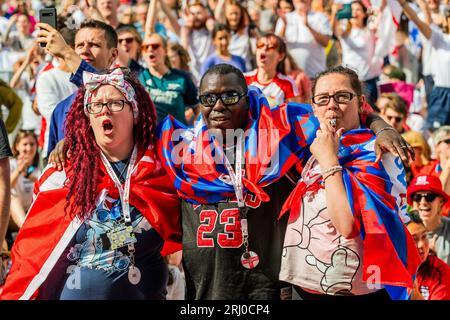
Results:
[274, 141]
[48, 229]
[377, 197]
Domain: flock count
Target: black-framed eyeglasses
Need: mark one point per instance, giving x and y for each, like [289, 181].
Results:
[338, 97]
[397, 119]
[113, 106]
[228, 98]
[429, 197]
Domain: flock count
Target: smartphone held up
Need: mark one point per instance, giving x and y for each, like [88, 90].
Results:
[48, 15]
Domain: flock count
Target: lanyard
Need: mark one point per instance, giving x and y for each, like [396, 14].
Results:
[236, 177]
[236, 181]
[124, 192]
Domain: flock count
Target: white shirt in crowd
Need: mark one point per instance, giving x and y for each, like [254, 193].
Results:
[315, 256]
[440, 57]
[240, 46]
[306, 51]
[52, 86]
[358, 53]
[200, 47]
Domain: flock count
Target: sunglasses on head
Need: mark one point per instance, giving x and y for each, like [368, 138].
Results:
[429, 197]
[127, 40]
[397, 119]
[154, 46]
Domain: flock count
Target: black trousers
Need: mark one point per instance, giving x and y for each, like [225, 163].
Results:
[380, 295]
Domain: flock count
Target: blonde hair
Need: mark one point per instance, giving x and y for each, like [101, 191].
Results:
[417, 140]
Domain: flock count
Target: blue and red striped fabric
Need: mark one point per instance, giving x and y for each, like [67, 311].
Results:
[377, 197]
[275, 140]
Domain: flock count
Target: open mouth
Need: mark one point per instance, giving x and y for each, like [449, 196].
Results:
[107, 126]
[152, 57]
[263, 57]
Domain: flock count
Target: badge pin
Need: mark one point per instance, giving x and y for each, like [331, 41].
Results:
[249, 260]
[134, 275]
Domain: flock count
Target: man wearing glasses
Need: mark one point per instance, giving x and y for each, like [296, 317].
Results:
[425, 194]
[393, 110]
[232, 239]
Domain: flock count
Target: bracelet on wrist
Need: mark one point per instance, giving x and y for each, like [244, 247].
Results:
[383, 129]
[331, 169]
[325, 177]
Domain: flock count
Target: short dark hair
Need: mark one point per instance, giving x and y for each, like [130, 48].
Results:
[220, 27]
[110, 33]
[224, 69]
[349, 73]
[415, 217]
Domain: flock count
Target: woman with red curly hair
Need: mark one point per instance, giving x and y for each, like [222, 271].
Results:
[99, 228]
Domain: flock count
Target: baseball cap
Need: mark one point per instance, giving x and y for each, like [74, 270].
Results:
[426, 183]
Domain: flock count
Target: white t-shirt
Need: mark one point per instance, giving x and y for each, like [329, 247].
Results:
[306, 51]
[426, 49]
[176, 290]
[240, 46]
[315, 256]
[52, 86]
[440, 57]
[24, 187]
[200, 47]
[358, 53]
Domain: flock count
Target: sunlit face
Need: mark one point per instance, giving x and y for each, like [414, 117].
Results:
[91, 46]
[419, 234]
[346, 114]
[111, 129]
[443, 149]
[285, 7]
[428, 211]
[267, 53]
[199, 16]
[129, 44]
[357, 13]
[394, 118]
[233, 15]
[174, 58]
[27, 146]
[141, 13]
[126, 17]
[23, 24]
[153, 51]
[107, 8]
[221, 41]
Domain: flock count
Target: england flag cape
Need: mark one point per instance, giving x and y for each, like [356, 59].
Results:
[376, 193]
[48, 229]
